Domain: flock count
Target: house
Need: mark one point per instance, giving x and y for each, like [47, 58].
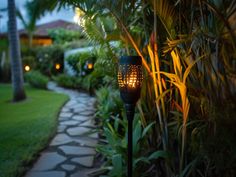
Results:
[41, 36]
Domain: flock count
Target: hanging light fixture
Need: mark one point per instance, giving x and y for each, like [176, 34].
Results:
[130, 78]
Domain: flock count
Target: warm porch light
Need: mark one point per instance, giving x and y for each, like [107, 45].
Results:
[130, 81]
[27, 68]
[57, 66]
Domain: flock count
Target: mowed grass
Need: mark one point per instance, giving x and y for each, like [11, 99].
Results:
[26, 127]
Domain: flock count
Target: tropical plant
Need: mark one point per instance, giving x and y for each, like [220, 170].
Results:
[29, 23]
[187, 49]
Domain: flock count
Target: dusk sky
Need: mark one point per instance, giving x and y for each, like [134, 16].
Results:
[65, 14]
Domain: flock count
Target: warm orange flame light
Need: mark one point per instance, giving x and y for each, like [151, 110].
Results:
[57, 66]
[27, 68]
[90, 66]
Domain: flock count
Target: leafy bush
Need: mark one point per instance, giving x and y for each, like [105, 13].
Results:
[78, 62]
[36, 79]
[77, 44]
[47, 57]
[111, 113]
[109, 103]
[27, 51]
[29, 60]
[68, 81]
[61, 36]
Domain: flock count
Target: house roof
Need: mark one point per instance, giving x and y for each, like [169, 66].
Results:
[42, 30]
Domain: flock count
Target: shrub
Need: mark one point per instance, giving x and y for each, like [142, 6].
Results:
[47, 57]
[61, 36]
[36, 79]
[78, 62]
[68, 81]
[29, 60]
[109, 103]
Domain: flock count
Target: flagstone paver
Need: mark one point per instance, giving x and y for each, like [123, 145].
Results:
[48, 161]
[85, 161]
[77, 131]
[72, 151]
[47, 174]
[76, 150]
[68, 167]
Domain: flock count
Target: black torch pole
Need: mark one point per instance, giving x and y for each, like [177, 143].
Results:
[130, 117]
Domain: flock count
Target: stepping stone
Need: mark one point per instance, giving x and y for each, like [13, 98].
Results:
[71, 102]
[48, 161]
[69, 122]
[60, 139]
[76, 150]
[63, 118]
[85, 161]
[88, 123]
[90, 108]
[77, 131]
[87, 142]
[79, 110]
[87, 113]
[83, 95]
[61, 128]
[68, 167]
[66, 114]
[80, 174]
[46, 174]
[81, 117]
[83, 100]
[65, 109]
[79, 105]
[93, 135]
[92, 100]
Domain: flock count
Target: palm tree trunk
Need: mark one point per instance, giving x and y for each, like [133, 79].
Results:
[16, 64]
[30, 37]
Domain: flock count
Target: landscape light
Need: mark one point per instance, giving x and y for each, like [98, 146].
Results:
[130, 78]
[57, 66]
[27, 68]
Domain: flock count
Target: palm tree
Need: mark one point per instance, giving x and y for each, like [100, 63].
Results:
[33, 14]
[29, 25]
[16, 65]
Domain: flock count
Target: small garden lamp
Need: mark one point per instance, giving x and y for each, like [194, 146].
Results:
[27, 68]
[130, 78]
[57, 66]
[89, 65]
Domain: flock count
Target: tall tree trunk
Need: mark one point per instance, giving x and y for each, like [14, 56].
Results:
[30, 36]
[16, 64]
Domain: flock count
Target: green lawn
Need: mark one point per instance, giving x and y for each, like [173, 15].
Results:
[25, 127]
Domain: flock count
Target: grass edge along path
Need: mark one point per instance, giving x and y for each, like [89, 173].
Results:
[26, 127]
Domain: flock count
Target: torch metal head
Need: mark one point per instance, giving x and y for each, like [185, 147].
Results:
[130, 78]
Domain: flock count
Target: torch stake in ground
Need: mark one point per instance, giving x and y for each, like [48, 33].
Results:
[130, 80]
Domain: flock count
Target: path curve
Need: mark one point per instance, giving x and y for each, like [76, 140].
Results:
[71, 152]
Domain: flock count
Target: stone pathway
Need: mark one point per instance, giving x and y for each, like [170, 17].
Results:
[71, 153]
